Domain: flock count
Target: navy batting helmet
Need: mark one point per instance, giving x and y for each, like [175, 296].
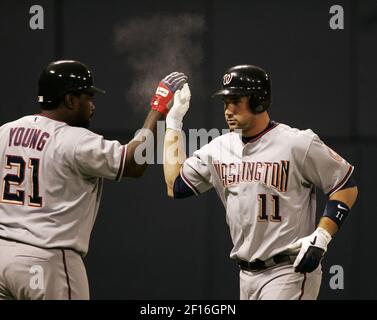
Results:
[247, 80]
[64, 76]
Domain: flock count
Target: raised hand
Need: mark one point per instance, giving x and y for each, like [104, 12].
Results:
[162, 99]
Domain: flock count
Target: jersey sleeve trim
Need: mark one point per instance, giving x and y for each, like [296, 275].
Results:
[122, 162]
[188, 182]
[340, 185]
[306, 153]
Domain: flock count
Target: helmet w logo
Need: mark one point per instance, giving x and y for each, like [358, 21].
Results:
[227, 78]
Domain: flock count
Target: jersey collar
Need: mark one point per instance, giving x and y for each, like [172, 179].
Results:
[48, 117]
[271, 125]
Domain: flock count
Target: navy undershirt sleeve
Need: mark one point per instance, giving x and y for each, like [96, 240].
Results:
[181, 189]
[349, 184]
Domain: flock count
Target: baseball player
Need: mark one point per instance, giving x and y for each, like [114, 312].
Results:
[51, 174]
[266, 174]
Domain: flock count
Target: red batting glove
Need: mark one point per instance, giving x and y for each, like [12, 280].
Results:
[163, 97]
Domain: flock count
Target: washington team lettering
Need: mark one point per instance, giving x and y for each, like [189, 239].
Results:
[272, 174]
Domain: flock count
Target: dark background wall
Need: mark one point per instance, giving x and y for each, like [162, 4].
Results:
[145, 246]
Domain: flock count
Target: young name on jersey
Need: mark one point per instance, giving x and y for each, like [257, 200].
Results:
[28, 138]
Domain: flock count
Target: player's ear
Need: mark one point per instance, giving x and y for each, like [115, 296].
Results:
[69, 100]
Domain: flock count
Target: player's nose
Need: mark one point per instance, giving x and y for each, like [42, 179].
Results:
[228, 110]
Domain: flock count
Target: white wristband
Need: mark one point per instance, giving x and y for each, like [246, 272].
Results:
[172, 123]
[324, 238]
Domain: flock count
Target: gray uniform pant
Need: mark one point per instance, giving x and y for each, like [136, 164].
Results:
[280, 282]
[28, 272]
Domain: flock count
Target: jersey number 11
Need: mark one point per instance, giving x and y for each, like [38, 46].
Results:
[263, 216]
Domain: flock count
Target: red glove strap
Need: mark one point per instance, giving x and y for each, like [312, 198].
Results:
[161, 99]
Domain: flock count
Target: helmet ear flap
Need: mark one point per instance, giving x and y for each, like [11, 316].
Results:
[259, 107]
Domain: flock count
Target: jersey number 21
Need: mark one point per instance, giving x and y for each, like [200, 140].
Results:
[18, 196]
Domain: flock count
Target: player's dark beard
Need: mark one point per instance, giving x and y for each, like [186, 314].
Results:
[82, 123]
[82, 119]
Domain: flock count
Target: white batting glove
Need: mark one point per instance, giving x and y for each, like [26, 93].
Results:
[178, 110]
[310, 250]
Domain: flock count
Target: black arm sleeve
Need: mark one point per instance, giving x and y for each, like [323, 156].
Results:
[181, 189]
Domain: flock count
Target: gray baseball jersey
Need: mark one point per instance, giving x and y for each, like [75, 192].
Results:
[51, 178]
[267, 185]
